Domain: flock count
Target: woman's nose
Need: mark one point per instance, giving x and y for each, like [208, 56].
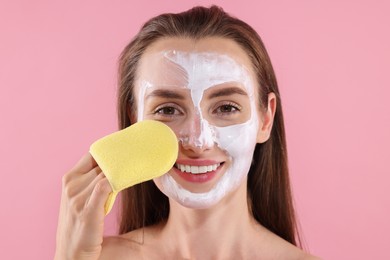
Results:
[198, 136]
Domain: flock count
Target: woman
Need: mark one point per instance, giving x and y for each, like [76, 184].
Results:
[207, 76]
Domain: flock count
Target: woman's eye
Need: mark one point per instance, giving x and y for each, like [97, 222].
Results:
[167, 111]
[227, 109]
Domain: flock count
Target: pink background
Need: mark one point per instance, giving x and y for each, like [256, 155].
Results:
[332, 59]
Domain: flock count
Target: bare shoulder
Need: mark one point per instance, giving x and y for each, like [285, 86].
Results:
[310, 257]
[294, 253]
[289, 251]
[278, 248]
[302, 255]
[137, 244]
[119, 247]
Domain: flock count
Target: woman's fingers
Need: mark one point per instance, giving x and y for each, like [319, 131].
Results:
[79, 200]
[85, 164]
[98, 198]
[80, 182]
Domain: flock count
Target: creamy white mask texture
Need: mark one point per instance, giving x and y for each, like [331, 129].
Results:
[197, 72]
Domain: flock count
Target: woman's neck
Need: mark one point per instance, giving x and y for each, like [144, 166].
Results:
[222, 230]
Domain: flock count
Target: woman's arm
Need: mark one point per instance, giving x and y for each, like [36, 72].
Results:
[81, 218]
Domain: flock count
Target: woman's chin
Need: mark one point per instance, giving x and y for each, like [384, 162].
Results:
[188, 195]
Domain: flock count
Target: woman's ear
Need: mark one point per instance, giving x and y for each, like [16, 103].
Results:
[266, 119]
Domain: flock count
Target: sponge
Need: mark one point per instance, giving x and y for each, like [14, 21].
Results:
[138, 153]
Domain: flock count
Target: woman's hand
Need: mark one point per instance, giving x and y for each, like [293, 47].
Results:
[80, 226]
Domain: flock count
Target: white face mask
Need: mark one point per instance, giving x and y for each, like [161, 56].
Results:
[198, 72]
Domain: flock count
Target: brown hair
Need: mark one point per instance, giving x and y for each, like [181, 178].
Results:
[269, 194]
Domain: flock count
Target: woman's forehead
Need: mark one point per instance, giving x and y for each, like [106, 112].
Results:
[193, 70]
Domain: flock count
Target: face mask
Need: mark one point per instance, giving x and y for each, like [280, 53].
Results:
[199, 72]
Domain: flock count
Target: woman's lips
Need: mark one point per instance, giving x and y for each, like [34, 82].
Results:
[194, 169]
[197, 171]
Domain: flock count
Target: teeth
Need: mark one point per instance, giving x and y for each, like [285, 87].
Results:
[197, 169]
[202, 168]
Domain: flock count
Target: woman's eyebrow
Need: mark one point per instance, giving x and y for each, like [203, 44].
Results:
[228, 92]
[165, 93]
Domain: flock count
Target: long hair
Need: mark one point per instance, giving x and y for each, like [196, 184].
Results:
[269, 192]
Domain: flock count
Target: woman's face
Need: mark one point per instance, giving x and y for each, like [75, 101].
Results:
[206, 92]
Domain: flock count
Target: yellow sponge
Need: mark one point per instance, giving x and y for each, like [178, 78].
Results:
[141, 152]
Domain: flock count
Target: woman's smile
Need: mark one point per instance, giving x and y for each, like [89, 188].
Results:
[197, 171]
